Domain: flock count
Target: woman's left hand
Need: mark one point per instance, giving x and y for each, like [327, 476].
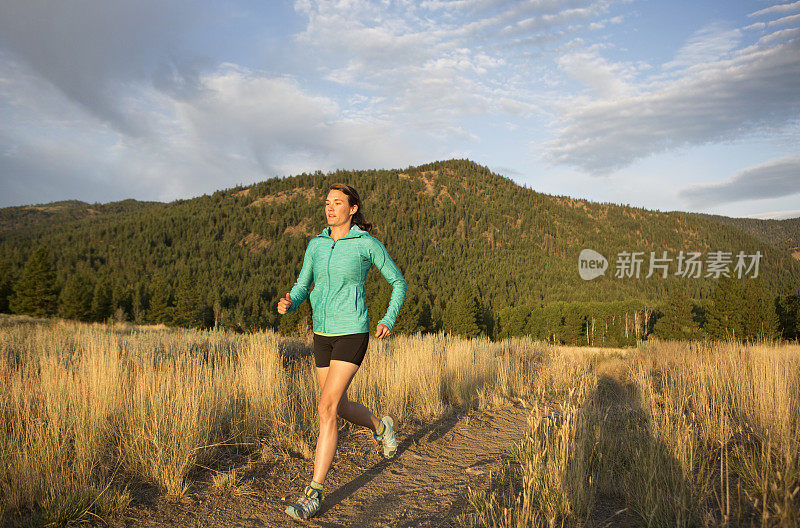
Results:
[382, 331]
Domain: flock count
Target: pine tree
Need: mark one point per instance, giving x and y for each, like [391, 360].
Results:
[724, 315]
[6, 286]
[102, 299]
[425, 317]
[573, 328]
[378, 297]
[189, 306]
[462, 316]
[121, 298]
[76, 298]
[410, 319]
[759, 317]
[788, 311]
[160, 310]
[514, 320]
[139, 302]
[677, 321]
[35, 293]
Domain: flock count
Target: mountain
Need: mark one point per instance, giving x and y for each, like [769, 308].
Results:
[57, 213]
[449, 225]
[783, 234]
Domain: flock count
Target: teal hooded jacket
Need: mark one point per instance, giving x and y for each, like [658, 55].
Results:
[339, 270]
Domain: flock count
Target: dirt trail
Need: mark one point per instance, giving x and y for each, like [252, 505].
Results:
[423, 486]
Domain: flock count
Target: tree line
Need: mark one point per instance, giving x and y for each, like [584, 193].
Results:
[481, 256]
[737, 310]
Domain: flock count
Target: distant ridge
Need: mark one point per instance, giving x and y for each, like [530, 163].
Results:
[449, 225]
[784, 234]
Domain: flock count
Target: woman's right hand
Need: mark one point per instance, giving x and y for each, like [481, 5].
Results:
[284, 304]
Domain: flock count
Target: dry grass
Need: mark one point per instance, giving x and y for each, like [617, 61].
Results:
[546, 479]
[672, 434]
[88, 410]
[727, 418]
[675, 434]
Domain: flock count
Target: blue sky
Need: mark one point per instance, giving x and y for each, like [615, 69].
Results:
[678, 105]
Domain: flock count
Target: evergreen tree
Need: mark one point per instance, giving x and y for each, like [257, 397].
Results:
[542, 322]
[759, 317]
[412, 314]
[139, 303]
[76, 297]
[724, 315]
[102, 299]
[378, 296]
[788, 311]
[573, 325]
[6, 286]
[425, 317]
[677, 321]
[188, 305]
[462, 316]
[258, 313]
[35, 293]
[121, 298]
[161, 309]
[486, 320]
[241, 242]
[513, 321]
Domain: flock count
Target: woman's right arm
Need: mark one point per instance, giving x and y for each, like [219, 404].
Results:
[299, 291]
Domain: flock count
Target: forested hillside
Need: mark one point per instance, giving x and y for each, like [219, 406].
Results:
[783, 234]
[480, 253]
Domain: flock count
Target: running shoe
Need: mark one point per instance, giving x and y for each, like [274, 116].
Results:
[307, 505]
[388, 437]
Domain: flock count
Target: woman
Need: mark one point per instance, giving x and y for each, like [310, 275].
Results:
[337, 261]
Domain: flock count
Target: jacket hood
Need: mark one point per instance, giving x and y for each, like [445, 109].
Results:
[355, 231]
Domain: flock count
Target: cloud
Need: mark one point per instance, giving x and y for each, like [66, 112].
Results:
[773, 179]
[752, 91]
[776, 215]
[438, 58]
[93, 50]
[47, 170]
[506, 171]
[236, 126]
[778, 8]
[110, 90]
[550, 20]
[707, 45]
[607, 79]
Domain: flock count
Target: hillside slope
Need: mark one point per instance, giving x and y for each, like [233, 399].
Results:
[448, 225]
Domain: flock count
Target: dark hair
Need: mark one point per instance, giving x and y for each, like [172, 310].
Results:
[353, 199]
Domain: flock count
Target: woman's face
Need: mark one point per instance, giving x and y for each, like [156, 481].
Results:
[336, 209]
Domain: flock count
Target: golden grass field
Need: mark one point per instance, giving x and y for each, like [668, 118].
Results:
[674, 434]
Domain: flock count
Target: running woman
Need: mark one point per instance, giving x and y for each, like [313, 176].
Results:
[337, 261]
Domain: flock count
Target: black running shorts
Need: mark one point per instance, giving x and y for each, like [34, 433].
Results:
[348, 347]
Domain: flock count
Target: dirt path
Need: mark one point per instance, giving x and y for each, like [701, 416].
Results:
[423, 486]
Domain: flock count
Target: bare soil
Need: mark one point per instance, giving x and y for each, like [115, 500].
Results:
[424, 485]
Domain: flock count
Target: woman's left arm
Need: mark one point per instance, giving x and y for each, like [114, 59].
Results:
[381, 259]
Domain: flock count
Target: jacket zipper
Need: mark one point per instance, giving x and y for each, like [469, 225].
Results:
[328, 290]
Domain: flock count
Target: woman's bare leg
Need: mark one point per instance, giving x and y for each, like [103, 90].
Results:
[351, 411]
[337, 379]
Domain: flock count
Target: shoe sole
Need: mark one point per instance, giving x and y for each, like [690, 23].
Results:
[391, 453]
[291, 512]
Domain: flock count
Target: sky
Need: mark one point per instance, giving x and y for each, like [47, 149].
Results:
[666, 105]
